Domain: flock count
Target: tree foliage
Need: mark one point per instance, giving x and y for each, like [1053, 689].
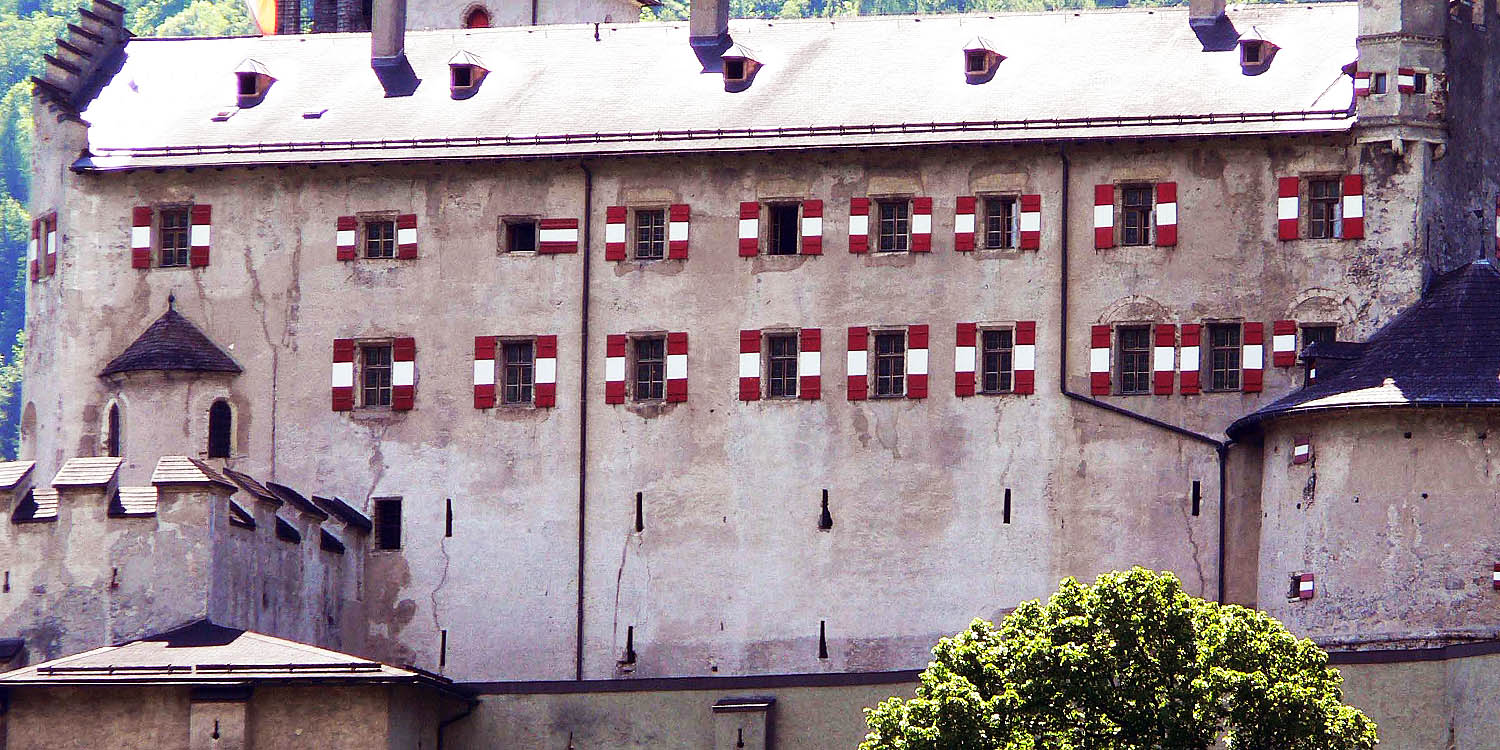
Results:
[1130, 662]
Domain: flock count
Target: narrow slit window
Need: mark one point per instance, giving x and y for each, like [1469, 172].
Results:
[895, 226]
[890, 364]
[1377, 83]
[1419, 83]
[996, 362]
[380, 238]
[375, 374]
[220, 429]
[175, 236]
[112, 437]
[519, 363]
[785, 224]
[781, 380]
[388, 523]
[650, 368]
[1135, 359]
[1001, 223]
[650, 234]
[1136, 207]
[1224, 356]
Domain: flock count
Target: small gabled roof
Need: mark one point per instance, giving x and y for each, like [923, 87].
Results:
[97, 471]
[252, 65]
[344, 512]
[979, 43]
[12, 473]
[252, 486]
[296, 500]
[465, 57]
[172, 343]
[186, 470]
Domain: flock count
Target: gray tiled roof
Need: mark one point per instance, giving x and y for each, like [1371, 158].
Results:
[13, 473]
[185, 470]
[253, 486]
[172, 343]
[344, 512]
[1442, 351]
[96, 471]
[296, 500]
[641, 88]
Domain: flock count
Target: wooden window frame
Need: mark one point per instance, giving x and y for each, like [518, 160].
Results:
[1333, 223]
[900, 234]
[770, 243]
[159, 240]
[876, 358]
[1010, 216]
[1233, 353]
[1133, 380]
[525, 387]
[363, 369]
[1137, 217]
[507, 246]
[634, 375]
[636, 240]
[771, 375]
[366, 221]
[380, 516]
[1005, 370]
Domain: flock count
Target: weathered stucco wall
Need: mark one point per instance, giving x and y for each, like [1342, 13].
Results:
[450, 14]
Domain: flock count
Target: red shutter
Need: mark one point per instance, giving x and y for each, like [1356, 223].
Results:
[749, 229]
[1024, 357]
[812, 227]
[921, 225]
[544, 392]
[1284, 343]
[749, 365]
[810, 364]
[201, 224]
[1163, 359]
[403, 374]
[916, 361]
[1253, 358]
[614, 234]
[557, 236]
[484, 372]
[406, 236]
[343, 374]
[140, 237]
[348, 237]
[1354, 207]
[1031, 222]
[677, 232]
[677, 349]
[964, 359]
[1104, 216]
[49, 239]
[859, 225]
[858, 363]
[614, 369]
[1166, 214]
[1099, 360]
[32, 251]
[1189, 363]
[1288, 213]
[963, 223]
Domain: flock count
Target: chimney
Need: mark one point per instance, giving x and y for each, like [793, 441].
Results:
[288, 17]
[1205, 12]
[708, 24]
[388, 48]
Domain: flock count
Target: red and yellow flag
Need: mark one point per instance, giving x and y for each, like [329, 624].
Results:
[263, 13]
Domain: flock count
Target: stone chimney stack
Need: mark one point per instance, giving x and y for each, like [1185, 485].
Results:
[708, 23]
[388, 32]
[1205, 12]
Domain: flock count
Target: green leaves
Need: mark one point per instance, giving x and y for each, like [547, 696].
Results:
[1131, 662]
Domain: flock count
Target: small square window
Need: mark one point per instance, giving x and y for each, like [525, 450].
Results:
[1223, 356]
[1136, 205]
[1001, 223]
[976, 61]
[996, 363]
[387, 523]
[520, 235]
[895, 226]
[890, 364]
[1323, 333]
[786, 234]
[380, 238]
[175, 236]
[517, 362]
[375, 374]
[734, 69]
[1134, 359]
[650, 234]
[1250, 53]
[1377, 83]
[650, 368]
[781, 369]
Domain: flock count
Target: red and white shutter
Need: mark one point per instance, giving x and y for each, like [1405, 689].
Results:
[963, 223]
[557, 236]
[51, 240]
[749, 229]
[406, 236]
[343, 374]
[403, 374]
[677, 366]
[1284, 343]
[31, 252]
[810, 364]
[677, 231]
[1104, 216]
[614, 369]
[1301, 449]
[1305, 586]
[1361, 83]
[1031, 222]
[1164, 359]
[1495, 580]
[858, 365]
[200, 229]
[812, 227]
[749, 365]
[1188, 362]
[544, 379]
[859, 225]
[1099, 360]
[614, 234]
[1354, 207]
[1287, 208]
[916, 361]
[1023, 359]
[1253, 358]
[921, 225]
[484, 372]
[964, 358]
[1166, 214]
[348, 237]
[1406, 80]
[140, 237]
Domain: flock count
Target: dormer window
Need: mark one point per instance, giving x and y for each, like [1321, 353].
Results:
[252, 81]
[740, 66]
[980, 60]
[1255, 51]
[466, 72]
[477, 18]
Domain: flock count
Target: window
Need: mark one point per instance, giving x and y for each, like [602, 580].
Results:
[477, 18]
[175, 236]
[895, 226]
[1377, 83]
[520, 235]
[890, 364]
[380, 238]
[1250, 53]
[785, 229]
[1419, 83]
[650, 234]
[220, 429]
[1318, 333]
[112, 432]
[1134, 358]
[976, 61]
[1324, 209]
[1001, 222]
[1136, 206]
[995, 363]
[375, 374]
[1224, 356]
[463, 76]
[388, 523]
[651, 368]
[734, 69]
[517, 359]
[781, 374]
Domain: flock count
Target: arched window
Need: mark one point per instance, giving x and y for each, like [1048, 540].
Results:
[220, 429]
[477, 18]
[112, 432]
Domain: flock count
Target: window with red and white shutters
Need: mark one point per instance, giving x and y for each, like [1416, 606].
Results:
[1253, 358]
[343, 374]
[1166, 214]
[1099, 337]
[859, 225]
[677, 237]
[677, 366]
[1354, 207]
[403, 374]
[921, 225]
[1104, 216]
[347, 236]
[916, 361]
[544, 371]
[406, 236]
[200, 230]
[140, 237]
[31, 252]
[1288, 209]
[1164, 359]
[858, 363]
[557, 236]
[1189, 361]
[963, 223]
[41, 252]
[1284, 343]
[1023, 358]
[201, 217]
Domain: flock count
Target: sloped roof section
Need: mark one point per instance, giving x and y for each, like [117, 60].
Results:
[640, 88]
[1442, 351]
[39, 504]
[336, 507]
[296, 500]
[253, 486]
[172, 343]
[133, 502]
[97, 471]
[185, 470]
[13, 473]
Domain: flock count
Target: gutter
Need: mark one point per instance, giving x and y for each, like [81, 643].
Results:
[1221, 448]
[583, 404]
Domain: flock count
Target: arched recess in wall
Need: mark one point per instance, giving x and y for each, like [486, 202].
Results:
[28, 431]
[476, 17]
[220, 429]
[1318, 305]
[1135, 309]
[114, 429]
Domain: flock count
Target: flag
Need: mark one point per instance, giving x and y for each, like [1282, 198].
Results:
[263, 13]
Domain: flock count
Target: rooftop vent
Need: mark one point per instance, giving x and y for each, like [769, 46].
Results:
[465, 72]
[980, 60]
[740, 67]
[252, 82]
[1255, 52]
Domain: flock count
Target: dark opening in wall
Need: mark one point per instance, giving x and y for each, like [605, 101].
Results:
[442, 649]
[220, 429]
[822, 639]
[640, 514]
[1197, 496]
[629, 657]
[786, 229]
[388, 523]
[112, 432]
[1005, 512]
[825, 518]
[448, 518]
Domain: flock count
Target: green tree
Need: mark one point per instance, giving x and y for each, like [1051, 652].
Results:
[1130, 662]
